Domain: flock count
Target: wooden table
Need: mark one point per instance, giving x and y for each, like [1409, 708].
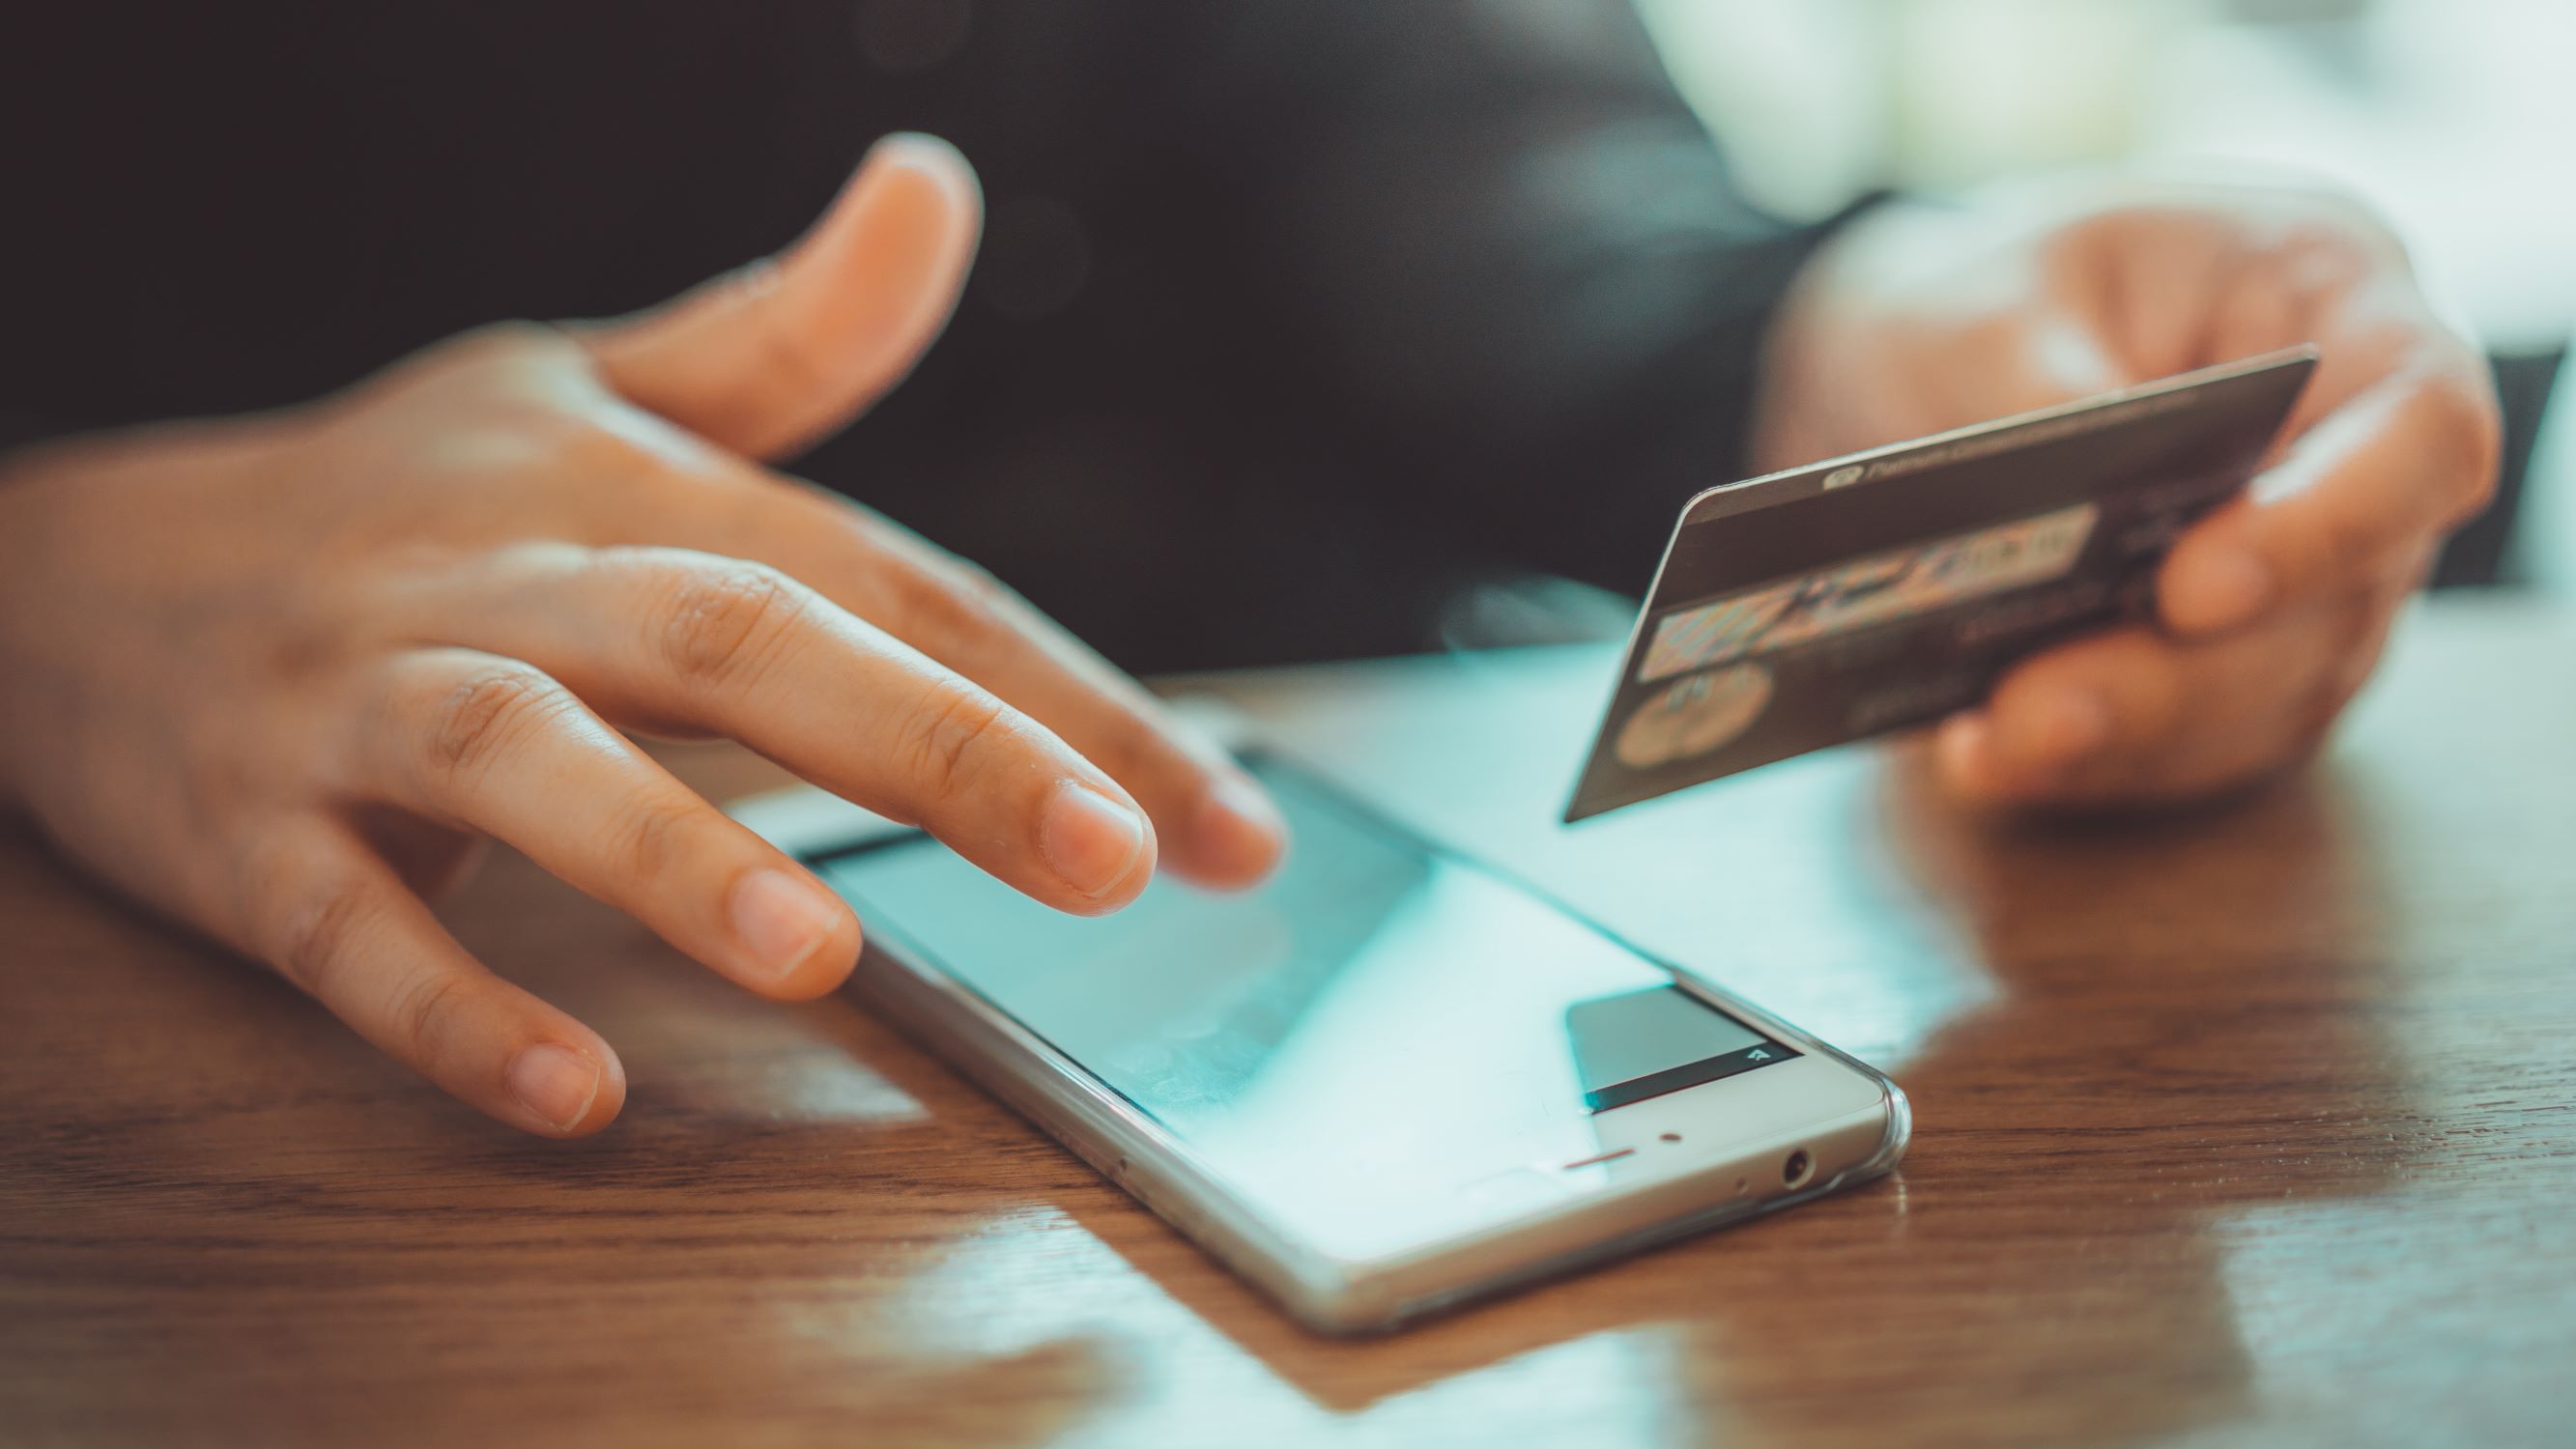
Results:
[2257, 1127]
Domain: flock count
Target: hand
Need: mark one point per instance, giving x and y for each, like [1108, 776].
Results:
[275, 675]
[2272, 611]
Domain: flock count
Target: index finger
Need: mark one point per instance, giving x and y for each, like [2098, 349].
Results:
[1213, 823]
[667, 637]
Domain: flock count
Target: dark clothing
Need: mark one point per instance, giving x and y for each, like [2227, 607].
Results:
[1291, 314]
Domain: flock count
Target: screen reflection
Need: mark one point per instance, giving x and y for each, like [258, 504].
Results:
[1362, 1046]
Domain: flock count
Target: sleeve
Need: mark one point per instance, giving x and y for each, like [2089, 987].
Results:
[1508, 255]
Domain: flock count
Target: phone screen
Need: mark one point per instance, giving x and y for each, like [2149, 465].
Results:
[1381, 1045]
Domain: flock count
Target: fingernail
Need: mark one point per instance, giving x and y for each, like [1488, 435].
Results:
[555, 1083]
[781, 920]
[1238, 824]
[2222, 588]
[922, 154]
[1092, 841]
[902, 145]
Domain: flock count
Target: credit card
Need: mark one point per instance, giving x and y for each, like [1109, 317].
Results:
[1870, 593]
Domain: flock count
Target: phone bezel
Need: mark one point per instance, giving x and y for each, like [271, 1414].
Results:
[1850, 1118]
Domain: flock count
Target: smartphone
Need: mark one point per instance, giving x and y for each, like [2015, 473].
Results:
[1386, 1081]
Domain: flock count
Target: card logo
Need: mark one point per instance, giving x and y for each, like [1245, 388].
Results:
[1695, 716]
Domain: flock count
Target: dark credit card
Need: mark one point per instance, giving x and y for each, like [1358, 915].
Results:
[1865, 594]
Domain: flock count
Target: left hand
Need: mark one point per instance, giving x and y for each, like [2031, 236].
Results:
[2271, 611]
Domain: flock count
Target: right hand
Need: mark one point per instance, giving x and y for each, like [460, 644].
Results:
[279, 675]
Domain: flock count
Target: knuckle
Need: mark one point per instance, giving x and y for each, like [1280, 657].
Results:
[2468, 412]
[788, 363]
[786, 359]
[421, 1014]
[1135, 746]
[578, 449]
[652, 839]
[2161, 716]
[320, 938]
[486, 714]
[2341, 218]
[722, 622]
[947, 736]
[1129, 751]
[2334, 228]
[2345, 549]
[983, 595]
[508, 376]
[949, 606]
[509, 344]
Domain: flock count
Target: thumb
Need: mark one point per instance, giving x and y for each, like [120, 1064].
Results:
[778, 354]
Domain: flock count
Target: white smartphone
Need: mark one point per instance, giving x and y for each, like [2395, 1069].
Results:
[1386, 1081]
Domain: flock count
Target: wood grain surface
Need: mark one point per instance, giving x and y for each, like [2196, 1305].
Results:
[2253, 1127]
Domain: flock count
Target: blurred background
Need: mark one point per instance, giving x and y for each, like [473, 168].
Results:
[2453, 117]
[1195, 220]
